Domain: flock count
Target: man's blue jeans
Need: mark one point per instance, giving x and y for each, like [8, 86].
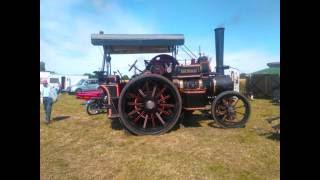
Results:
[47, 102]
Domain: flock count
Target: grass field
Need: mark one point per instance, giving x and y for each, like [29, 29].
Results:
[79, 146]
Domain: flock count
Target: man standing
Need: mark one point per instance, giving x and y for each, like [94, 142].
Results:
[46, 99]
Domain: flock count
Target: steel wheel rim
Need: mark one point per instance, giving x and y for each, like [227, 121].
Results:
[150, 105]
[231, 110]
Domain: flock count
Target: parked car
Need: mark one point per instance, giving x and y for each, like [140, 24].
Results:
[84, 85]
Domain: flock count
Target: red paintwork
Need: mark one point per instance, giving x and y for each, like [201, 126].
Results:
[87, 95]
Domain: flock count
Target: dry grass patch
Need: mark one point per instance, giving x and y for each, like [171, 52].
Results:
[79, 146]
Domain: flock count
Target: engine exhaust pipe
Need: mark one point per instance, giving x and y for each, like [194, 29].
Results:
[219, 38]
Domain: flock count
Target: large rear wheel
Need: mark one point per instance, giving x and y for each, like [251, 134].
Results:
[149, 104]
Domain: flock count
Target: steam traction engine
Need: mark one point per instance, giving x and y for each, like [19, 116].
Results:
[153, 100]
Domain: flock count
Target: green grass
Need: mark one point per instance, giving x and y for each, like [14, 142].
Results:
[80, 146]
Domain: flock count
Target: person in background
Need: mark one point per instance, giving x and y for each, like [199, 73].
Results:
[46, 99]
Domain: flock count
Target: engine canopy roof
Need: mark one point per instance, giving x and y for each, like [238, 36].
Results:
[137, 43]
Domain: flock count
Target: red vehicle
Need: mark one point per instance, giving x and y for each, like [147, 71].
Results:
[87, 95]
[154, 98]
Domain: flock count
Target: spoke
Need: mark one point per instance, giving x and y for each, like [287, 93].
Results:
[147, 85]
[160, 118]
[145, 121]
[134, 104]
[166, 105]
[224, 117]
[236, 103]
[132, 112]
[231, 117]
[166, 112]
[163, 98]
[220, 113]
[153, 122]
[235, 117]
[224, 102]
[239, 112]
[138, 117]
[239, 107]
[142, 93]
[161, 91]
[154, 90]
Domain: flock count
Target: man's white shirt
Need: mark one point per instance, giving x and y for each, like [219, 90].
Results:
[45, 91]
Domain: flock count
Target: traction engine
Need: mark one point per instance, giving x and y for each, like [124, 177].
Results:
[153, 100]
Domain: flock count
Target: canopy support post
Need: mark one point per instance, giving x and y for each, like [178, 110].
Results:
[106, 64]
[174, 51]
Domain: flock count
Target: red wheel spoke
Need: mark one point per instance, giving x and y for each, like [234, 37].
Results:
[160, 118]
[166, 105]
[161, 91]
[132, 112]
[145, 121]
[142, 93]
[154, 90]
[138, 117]
[134, 104]
[166, 112]
[153, 122]
[166, 97]
[163, 98]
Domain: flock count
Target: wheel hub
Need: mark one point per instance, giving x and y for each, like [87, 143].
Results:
[150, 104]
[230, 110]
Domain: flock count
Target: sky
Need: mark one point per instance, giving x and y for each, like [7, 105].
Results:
[252, 30]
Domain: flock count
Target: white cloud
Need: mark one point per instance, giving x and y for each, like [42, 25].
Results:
[65, 43]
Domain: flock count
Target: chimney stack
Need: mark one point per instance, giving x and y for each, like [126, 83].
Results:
[219, 38]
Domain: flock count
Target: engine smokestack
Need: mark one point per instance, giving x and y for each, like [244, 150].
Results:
[219, 35]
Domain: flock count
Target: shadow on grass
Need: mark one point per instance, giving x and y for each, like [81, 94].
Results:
[271, 135]
[190, 120]
[215, 125]
[59, 118]
[185, 120]
[116, 124]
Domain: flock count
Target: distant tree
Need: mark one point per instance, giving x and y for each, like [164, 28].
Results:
[125, 77]
[42, 66]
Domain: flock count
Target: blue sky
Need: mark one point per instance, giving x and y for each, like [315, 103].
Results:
[252, 34]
